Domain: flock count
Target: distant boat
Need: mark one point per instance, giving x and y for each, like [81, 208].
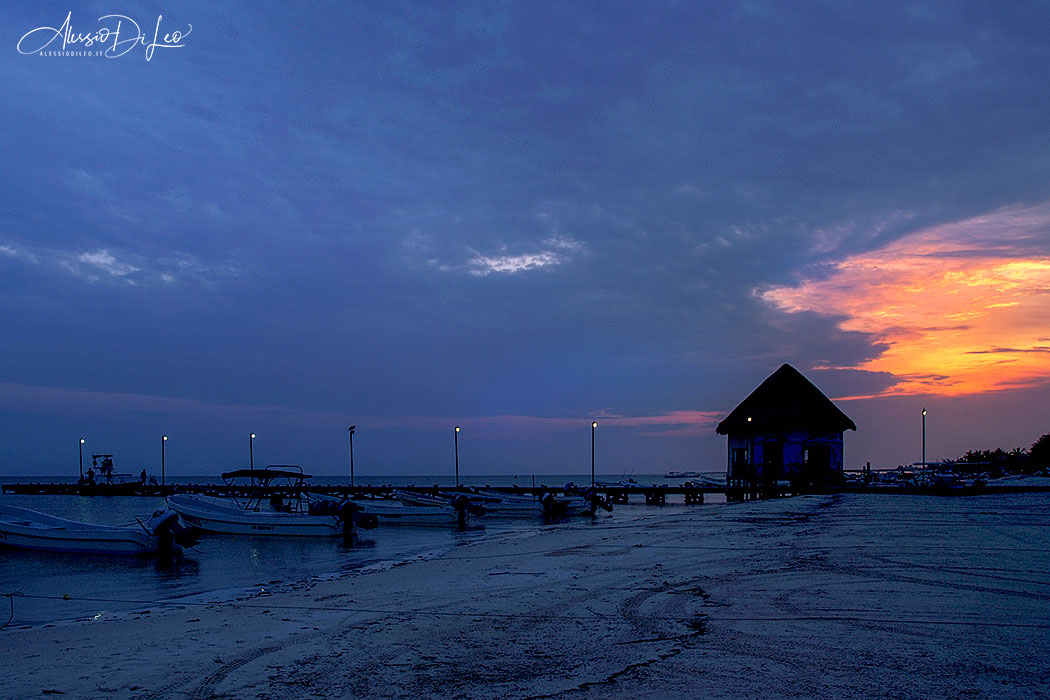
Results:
[399, 514]
[622, 484]
[422, 509]
[681, 475]
[501, 505]
[102, 472]
[709, 479]
[29, 529]
[497, 503]
[289, 513]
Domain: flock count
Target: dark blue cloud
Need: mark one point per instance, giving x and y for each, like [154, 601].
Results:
[544, 209]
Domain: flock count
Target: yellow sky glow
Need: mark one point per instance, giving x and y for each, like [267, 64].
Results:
[964, 307]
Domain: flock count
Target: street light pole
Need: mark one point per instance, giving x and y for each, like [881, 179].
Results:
[594, 425]
[163, 442]
[251, 452]
[350, 431]
[924, 441]
[457, 456]
[81, 446]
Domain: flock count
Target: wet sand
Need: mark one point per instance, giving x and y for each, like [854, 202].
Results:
[813, 597]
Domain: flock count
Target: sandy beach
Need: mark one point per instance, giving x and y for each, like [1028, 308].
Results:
[812, 597]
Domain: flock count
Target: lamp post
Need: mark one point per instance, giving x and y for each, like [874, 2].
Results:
[456, 437]
[924, 441]
[350, 432]
[750, 453]
[594, 426]
[251, 451]
[163, 442]
[81, 447]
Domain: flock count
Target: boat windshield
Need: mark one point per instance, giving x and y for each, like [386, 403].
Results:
[281, 484]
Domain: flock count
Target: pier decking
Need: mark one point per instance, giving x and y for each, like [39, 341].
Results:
[656, 494]
[649, 494]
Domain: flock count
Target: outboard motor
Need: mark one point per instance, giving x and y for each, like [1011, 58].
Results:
[352, 515]
[552, 507]
[463, 505]
[460, 503]
[173, 534]
[596, 501]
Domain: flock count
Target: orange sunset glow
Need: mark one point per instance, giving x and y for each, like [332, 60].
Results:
[963, 308]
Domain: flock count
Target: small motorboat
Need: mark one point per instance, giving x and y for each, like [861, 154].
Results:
[575, 502]
[29, 529]
[501, 505]
[420, 509]
[628, 483]
[277, 505]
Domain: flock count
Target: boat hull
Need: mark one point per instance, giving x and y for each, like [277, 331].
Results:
[390, 514]
[213, 515]
[498, 504]
[26, 529]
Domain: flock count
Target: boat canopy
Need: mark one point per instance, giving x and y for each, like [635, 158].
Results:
[271, 472]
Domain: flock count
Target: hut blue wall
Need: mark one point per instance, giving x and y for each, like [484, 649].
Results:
[786, 456]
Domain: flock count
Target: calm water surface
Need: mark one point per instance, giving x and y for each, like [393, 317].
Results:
[218, 566]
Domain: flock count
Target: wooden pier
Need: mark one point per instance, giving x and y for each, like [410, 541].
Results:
[649, 494]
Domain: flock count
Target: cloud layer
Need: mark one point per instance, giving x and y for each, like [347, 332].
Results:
[547, 211]
[960, 307]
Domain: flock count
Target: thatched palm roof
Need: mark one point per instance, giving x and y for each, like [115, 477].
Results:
[786, 401]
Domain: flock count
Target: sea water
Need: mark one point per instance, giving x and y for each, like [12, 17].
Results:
[40, 587]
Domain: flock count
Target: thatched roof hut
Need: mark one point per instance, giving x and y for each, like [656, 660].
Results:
[785, 429]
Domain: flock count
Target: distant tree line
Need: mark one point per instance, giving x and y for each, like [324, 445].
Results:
[1034, 460]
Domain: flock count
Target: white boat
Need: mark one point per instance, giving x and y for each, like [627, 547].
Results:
[399, 514]
[30, 529]
[707, 480]
[498, 504]
[227, 516]
[289, 512]
[419, 509]
[550, 506]
[622, 484]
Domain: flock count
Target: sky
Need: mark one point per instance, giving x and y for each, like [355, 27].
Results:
[288, 218]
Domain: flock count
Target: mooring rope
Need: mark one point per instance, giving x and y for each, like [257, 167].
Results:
[11, 598]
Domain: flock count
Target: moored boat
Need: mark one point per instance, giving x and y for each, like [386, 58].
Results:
[498, 504]
[29, 529]
[419, 509]
[628, 483]
[228, 517]
[583, 502]
[399, 514]
[277, 505]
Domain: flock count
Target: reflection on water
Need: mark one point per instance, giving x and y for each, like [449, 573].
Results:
[80, 586]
